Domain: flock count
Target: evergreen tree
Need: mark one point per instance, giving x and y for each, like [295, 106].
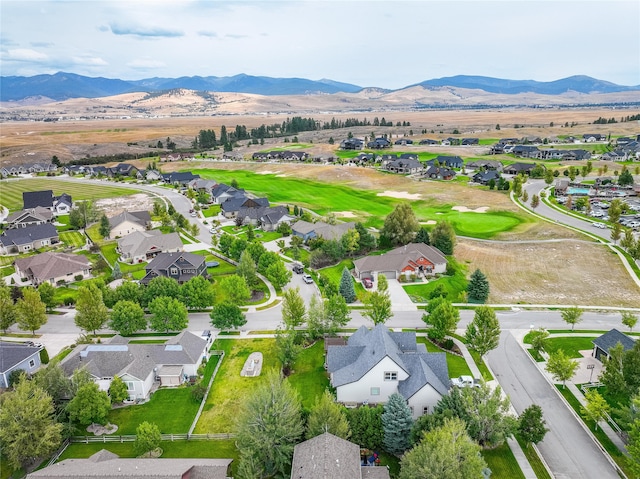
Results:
[423, 236]
[443, 237]
[105, 227]
[478, 287]
[400, 226]
[346, 288]
[397, 423]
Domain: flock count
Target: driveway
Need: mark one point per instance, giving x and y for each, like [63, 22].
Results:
[400, 300]
[568, 449]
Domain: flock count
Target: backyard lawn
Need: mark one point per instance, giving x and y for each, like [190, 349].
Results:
[456, 364]
[571, 345]
[11, 191]
[74, 239]
[334, 273]
[309, 377]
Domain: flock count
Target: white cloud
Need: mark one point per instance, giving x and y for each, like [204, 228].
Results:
[144, 31]
[24, 55]
[142, 64]
[89, 61]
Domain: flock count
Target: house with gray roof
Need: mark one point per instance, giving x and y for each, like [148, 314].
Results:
[180, 266]
[272, 217]
[29, 217]
[54, 268]
[141, 246]
[602, 344]
[414, 258]
[320, 229]
[105, 464]
[377, 363]
[22, 240]
[14, 356]
[140, 366]
[328, 456]
[43, 198]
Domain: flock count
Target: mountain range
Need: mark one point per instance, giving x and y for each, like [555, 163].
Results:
[63, 86]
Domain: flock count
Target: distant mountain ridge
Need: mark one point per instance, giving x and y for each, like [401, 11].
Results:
[63, 86]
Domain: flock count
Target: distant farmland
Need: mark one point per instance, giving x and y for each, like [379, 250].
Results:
[11, 190]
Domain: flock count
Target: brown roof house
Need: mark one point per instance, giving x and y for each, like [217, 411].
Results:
[105, 464]
[329, 457]
[140, 366]
[55, 268]
[414, 258]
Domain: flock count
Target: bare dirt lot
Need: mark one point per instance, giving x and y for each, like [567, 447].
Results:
[566, 272]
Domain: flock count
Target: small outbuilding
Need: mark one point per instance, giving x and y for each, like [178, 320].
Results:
[608, 340]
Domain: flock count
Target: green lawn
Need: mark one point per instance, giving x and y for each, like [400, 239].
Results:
[212, 210]
[64, 221]
[456, 364]
[534, 459]
[309, 377]
[172, 410]
[11, 191]
[93, 232]
[571, 345]
[74, 239]
[333, 274]
[110, 253]
[365, 204]
[502, 462]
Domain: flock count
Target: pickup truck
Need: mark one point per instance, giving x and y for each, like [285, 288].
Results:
[465, 382]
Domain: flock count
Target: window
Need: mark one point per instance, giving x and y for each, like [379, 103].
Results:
[391, 375]
[174, 271]
[130, 386]
[425, 410]
[375, 391]
[32, 363]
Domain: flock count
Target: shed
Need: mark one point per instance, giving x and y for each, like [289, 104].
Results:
[604, 343]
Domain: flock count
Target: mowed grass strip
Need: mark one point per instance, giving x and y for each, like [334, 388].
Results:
[366, 205]
[73, 238]
[11, 191]
[502, 462]
[309, 377]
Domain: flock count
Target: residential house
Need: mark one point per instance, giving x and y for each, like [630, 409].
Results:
[623, 140]
[179, 178]
[294, 155]
[272, 217]
[448, 161]
[452, 141]
[576, 155]
[62, 204]
[428, 141]
[377, 363]
[603, 344]
[320, 229]
[128, 222]
[33, 199]
[105, 464]
[414, 258]
[54, 268]
[233, 206]
[365, 158]
[616, 155]
[379, 143]
[122, 169]
[32, 216]
[330, 457]
[179, 266]
[14, 356]
[22, 240]
[152, 175]
[517, 168]
[140, 366]
[484, 177]
[525, 151]
[202, 186]
[403, 141]
[439, 173]
[470, 141]
[351, 144]
[593, 137]
[141, 246]
[404, 166]
[484, 165]
[221, 193]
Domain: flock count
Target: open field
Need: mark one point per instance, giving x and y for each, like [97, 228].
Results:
[566, 272]
[11, 190]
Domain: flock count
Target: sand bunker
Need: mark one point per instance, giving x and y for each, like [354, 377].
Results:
[464, 209]
[430, 222]
[266, 172]
[252, 366]
[403, 195]
[345, 214]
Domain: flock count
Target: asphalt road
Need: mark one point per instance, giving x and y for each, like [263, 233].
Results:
[568, 449]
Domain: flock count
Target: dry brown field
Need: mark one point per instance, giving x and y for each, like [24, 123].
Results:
[565, 272]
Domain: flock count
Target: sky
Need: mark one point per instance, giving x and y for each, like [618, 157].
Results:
[380, 43]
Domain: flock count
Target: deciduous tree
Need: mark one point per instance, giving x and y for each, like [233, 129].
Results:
[160, 286]
[400, 226]
[443, 320]
[572, 316]
[89, 405]
[28, 428]
[287, 349]
[327, 416]
[293, 308]
[47, 295]
[105, 227]
[538, 339]
[378, 303]
[91, 312]
[148, 438]
[443, 237]
[127, 318]
[612, 375]
[629, 319]
[168, 314]
[483, 333]
[198, 293]
[54, 381]
[596, 407]
[397, 423]
[531, 425]
[561, 366]
[235, 289]
[226, 316]
[247, 269]
[31, 313]
[8, 314]
[446, 452]
[278, 274]
[268, 427]
[118, 390]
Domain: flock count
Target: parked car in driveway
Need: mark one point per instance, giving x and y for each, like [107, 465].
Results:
[367, 283]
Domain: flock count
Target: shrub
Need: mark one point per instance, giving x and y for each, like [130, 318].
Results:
[78, 277]
[44, 356]
[198, 391]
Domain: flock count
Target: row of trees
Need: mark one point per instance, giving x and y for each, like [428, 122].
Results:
[271, 422]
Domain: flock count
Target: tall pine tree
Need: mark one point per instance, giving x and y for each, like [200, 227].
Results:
[397, 423]
[346, 288]
[478, 287]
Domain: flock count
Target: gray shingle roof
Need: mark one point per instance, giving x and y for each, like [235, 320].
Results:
[31, 199]
[12, 354]
[326, 457]
[105, 465]
[29, 234]
[139, 242]
[140, 217]
[613, 337]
